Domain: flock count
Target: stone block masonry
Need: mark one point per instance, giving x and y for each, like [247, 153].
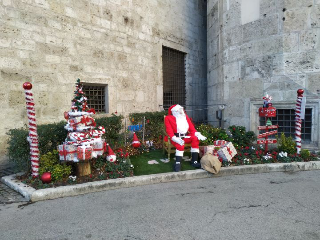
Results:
[116, 43]
[278, 53]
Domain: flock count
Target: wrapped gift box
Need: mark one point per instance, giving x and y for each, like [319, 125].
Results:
[219, 143]
[78, 136]
[84, 152]
[210, 148]
[67, 153]
[99, 147]
[227, 152]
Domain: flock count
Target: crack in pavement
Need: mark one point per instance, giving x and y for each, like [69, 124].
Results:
[192, 193]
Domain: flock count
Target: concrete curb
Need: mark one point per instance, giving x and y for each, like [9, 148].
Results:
[34, 195]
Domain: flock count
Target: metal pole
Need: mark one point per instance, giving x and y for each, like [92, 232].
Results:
[143, 129]
[125, 131]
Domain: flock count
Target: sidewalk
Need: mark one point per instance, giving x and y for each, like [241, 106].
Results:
[8, 195]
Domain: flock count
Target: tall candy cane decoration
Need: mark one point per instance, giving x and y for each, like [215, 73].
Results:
[298, 120]
[33, 135]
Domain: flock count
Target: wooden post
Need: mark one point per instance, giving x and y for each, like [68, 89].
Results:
[83, 168]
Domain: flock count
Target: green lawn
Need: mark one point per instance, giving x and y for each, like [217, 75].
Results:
[141, 166]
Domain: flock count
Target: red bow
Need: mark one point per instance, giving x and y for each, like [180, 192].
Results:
[229, 151]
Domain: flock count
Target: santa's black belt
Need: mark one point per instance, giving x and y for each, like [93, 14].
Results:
[181, 135]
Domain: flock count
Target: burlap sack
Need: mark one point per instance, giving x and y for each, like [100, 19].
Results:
[210, 163]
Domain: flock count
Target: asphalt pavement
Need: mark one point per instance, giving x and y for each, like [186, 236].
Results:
[254, 206]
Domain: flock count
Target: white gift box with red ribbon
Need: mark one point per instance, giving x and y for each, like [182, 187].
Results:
[99, 147]
[227, 152]
[219, 143]
[78, 136]
[67, 153]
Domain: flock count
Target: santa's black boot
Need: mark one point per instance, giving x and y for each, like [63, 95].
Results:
[177, 165]
[195, 160]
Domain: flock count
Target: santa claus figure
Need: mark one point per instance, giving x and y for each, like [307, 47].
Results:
[181, 130]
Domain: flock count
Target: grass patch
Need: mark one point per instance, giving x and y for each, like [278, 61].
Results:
[141, 166]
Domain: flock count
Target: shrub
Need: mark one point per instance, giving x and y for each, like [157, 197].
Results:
[305, 154]
[212, 134]
[50, 163]
[50, 136]
[113, 126]
[240, 137]
[286, 144]
[18, 149]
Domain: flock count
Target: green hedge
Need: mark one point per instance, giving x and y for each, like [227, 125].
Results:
[154, 124]
[113, 126]
[50, 136]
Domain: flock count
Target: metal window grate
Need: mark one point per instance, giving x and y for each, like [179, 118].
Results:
[285, 119]
[174, 77]
[96, 97]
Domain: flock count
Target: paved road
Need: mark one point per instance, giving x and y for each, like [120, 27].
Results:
[258, 206]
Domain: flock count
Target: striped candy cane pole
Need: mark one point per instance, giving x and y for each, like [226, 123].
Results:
[33, 135]
[298, 120]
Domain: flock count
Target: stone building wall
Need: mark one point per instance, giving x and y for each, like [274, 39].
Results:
[113, 42]
[276, 53]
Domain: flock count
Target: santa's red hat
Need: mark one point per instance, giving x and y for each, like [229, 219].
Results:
[111, 157]
[175, 108]
[135, 143]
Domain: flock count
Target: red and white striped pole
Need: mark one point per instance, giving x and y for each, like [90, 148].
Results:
[33, 135]
[298, 119]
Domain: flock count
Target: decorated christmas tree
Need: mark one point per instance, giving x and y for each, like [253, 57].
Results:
[84, 140]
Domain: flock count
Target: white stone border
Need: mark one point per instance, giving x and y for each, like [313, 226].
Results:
[34, 195]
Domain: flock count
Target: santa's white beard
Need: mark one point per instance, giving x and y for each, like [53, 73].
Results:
[182, 123]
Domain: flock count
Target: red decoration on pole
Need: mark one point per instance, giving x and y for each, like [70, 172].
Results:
[298, 119]
[267, 111]
[33, 135]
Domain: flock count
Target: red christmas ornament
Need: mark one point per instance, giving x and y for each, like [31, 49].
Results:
[135, 143]
[46, 177]
[27, 86]
[300, 92]
[66, 115]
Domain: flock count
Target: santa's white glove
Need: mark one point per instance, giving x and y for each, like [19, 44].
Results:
[177, 140]
[200, 136]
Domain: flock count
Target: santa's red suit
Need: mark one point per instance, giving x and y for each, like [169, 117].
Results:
[181, 130]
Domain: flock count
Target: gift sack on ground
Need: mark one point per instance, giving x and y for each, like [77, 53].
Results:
[210, 163]
[99, 147]
[67, 152]
[227, 152]
[204, 149]
[84, 152]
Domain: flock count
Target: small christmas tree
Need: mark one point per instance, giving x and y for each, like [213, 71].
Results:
[79, 102]
[84, 140]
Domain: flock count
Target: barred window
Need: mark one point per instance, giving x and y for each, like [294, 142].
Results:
[174, 77]
[285, 119]
[97, 96]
